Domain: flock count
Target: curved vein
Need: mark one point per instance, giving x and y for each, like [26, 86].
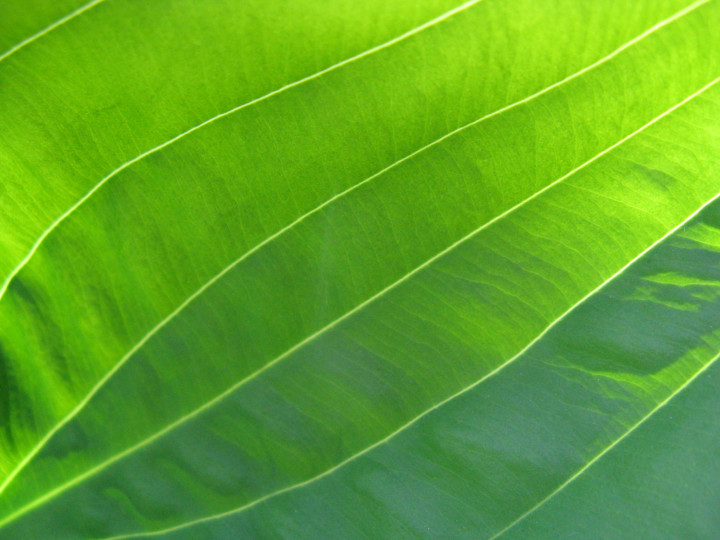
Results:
[209, 404]
[15, 271]
[42, 442]
[50, 28]
[617, 441]
[492, 373]
[76, 410]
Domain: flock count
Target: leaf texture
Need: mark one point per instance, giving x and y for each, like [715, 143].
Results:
[337, 269]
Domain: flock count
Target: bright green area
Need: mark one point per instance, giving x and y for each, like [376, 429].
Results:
[457, 285]
[23, 22]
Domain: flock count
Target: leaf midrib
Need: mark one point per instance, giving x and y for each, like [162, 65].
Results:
[91, 472]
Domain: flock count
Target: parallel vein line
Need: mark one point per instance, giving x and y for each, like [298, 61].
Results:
[42, 442]
[478, 382]
[145, 154]
[21, 465]
[617, 441]
[217, 277]
[170, 427]
[50, 28]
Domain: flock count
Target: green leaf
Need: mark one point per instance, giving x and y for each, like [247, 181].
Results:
[313, 269]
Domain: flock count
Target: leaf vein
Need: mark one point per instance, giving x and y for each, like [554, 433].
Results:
[608, 448]
[217, 277]
[91, 472]
[48, 29]
[15, 271]
[466, 389]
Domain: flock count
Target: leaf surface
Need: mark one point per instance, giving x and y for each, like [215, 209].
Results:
[338, 269]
